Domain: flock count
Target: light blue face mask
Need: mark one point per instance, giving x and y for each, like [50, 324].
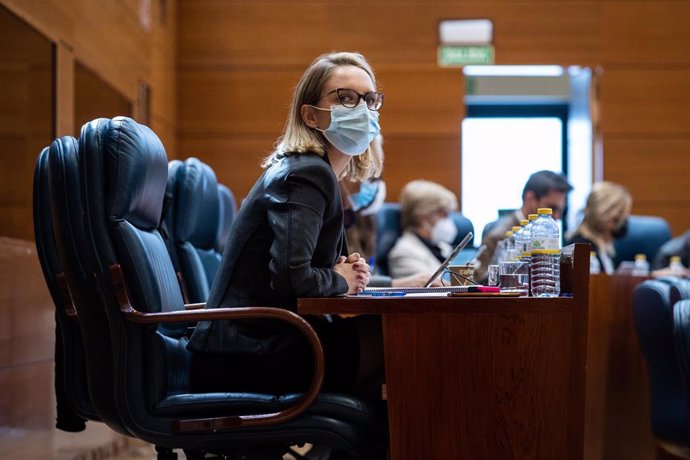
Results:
[352, 130]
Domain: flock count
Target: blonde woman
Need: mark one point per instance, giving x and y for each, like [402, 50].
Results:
[428, 229]
[605, 220]
[288, 241]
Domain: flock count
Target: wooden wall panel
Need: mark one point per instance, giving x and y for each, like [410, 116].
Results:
[94, 98]
[645, 101]
[26, 118]
[537, 32]
[163, 76]
[646, 33]
[242, 34]
[26, 338]
[227, 49]
[655, 171]
[107, 38]
[432, 157]
[235, 102]
[217, 33]
[413, 103]
[235, 159]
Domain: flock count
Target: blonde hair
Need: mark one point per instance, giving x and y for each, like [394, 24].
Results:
[605, 201]
[298, 138]
[420, 198]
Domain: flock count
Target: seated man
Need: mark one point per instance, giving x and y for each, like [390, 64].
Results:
[544, 189]
[428, 230]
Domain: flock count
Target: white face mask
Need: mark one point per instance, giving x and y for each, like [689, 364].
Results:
[444, 231]
[352, 130]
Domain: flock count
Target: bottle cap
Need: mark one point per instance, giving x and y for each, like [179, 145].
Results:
[675, 259]
[516, 228]
[592, 253]
[532, 216]
[640, 257]
[543, 211]
[509, 233]
[524, 222]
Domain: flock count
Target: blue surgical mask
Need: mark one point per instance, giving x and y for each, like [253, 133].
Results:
[352, 130]
[370, 198]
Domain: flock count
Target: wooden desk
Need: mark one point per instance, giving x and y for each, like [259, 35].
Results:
[617, 396]
[482, 378]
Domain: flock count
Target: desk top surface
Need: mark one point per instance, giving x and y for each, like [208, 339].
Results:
[431, 304]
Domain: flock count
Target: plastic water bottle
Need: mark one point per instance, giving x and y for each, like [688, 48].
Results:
[545, 260]
[501, 249]
[641, 267]
[520, 240]
[527, 238]
[509, 247]
[594, 265]
[676, 266]
[517, 239]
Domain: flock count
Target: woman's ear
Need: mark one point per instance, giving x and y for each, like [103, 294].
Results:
[308, 116]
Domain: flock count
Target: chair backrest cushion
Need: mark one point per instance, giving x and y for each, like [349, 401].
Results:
[71, 390]
[646, 234]
[70, 239]
[125, 171]
[653, 318]
[197, 219]
[228, 211]
[387, 232]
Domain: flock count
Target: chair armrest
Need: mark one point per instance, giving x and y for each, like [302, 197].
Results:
[198, 313]
[194, 306]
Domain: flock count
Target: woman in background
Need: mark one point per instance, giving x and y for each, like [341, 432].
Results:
[288, 241]
[605, 220]
[428, 229]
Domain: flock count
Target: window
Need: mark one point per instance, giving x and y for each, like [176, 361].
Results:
[502, 145]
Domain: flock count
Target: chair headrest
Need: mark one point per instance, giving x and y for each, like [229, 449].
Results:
[136, 171]
[196, 205]
[646, 234]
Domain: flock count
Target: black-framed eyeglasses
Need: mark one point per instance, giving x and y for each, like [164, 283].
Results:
[350, 98]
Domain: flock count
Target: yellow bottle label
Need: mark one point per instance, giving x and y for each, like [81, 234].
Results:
[545, 251]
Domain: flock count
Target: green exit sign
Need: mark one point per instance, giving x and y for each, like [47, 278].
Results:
[458, 56]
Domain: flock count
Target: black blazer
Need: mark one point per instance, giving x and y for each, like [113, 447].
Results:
[284, 243]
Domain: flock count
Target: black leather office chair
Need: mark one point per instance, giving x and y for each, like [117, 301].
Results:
[60, 236]
[646, 234]
[123, 171]
[653, 314]
[167, 224]
[387, 232]
[74, 405]
[463, 224]
[681, 332]
[195, 221]
[228, 211]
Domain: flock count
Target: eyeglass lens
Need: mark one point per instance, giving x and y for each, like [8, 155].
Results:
[350, 99]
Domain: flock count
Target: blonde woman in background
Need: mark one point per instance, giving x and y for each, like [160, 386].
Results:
[605, 220]
[428, 229]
